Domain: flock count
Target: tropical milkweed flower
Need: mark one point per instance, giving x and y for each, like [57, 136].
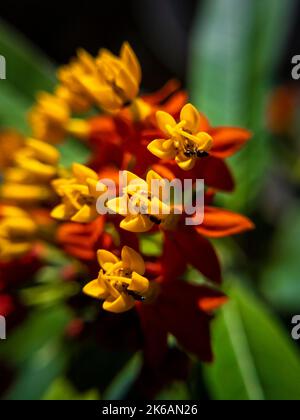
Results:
[120, 282]
[17, 233]
[27, 181]
[10, 142]
[108, 81]
[184, 143]
[79, 195]
[142, 207]
[50, 119]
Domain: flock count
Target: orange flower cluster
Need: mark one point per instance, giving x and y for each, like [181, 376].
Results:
[155, 136]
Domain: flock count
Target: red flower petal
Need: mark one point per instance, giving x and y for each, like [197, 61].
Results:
[219, 223]
[228, 140]
[198, 252]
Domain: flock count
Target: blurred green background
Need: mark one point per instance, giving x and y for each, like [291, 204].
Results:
[234, 57]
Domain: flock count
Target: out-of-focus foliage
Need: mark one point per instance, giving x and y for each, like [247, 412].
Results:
[233, 60]
[280, 280]
[232, 68]
[255, 360]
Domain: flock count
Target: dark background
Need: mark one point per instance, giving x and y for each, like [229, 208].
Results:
[58, 28]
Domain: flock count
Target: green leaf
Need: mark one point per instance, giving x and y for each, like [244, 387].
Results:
[280, 279]
[27, 69]
[73, 150]
[62, 389]
[121, 384]
[13, 108]
[38, 372]
[254, 358]
[177, 391]
[151, 245]
[235, 49]
[41, 327]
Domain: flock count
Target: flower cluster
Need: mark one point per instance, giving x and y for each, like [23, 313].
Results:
[157, 136]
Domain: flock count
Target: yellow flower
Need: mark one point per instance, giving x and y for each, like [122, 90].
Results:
[184, 142]
[142, 207]
[109, 81]
[120, 282]
[121, 76]
[50, 120]
[17, 233]
[72, 89]
[36, 164]
[10, 142]
[76, 101]
[79, 195]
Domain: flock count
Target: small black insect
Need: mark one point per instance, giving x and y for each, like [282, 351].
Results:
[202, 154]
[189, 153]
[136, 296]
[155, 220]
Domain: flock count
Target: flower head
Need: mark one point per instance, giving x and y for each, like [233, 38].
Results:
[27, 181]
[185, 142]
[79, 195]
[17, 233]
[120, 283]
[108, 81]
[10, 142]
[50, 119]
[141, 205]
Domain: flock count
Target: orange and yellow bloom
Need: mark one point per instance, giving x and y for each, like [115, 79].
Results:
[120, 282]
[155, 137]
[185, 142]
[79, 194]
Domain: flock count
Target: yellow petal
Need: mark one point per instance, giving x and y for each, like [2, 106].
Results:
[108, 99]
[82, 172]
[78, 128]
[118, 205]
[86, 214]
[60, 213]
[137, 224]
[191, 116]
[133, 260]
[9, 251]
[96, 289]
[94, 191]
[122, 304]
[128, 85]
[204, 141]
[19, 226]
[187, 165]
[106, 259]
[43, 151]
[164, 120]
[152, 175]
[134, 183]
[163, 149]
[37, 169]
[11, 211]
[139, 284]
[25, 193]
[131, 61]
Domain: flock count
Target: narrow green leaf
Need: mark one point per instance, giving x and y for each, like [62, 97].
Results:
[38, 372]
[280, 278]
[27, 69]
[121, 384]
[40, 327]
[254, 358]
[62, 389]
